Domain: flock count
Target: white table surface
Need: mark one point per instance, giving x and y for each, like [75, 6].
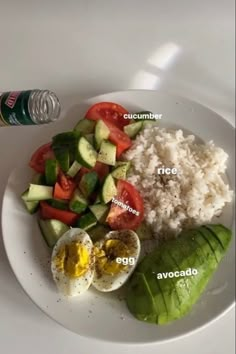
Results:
[84, 48]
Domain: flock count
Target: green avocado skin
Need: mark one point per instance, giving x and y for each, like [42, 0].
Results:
[162, 301]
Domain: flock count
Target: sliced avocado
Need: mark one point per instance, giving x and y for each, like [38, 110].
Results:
[222, 233]
[212, 241]
[144, 306]
[189, 250]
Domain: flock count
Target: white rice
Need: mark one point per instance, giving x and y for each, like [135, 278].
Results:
[192, 197]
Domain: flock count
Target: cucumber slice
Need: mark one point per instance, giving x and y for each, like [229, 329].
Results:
[52, 230]
[144, 115]
[86, 155]
[74, 169]
[87, 221]
[107, 153]
[85, 126]
[108, 189]
[144, 232]
[78, 203]
[97, 232]
[38, 192]
[51, 171]
[133, 129]
[63, 158]
[31, 207]
[102, 132]
[98, 200]
[88, 183]
[58, 204]
[100, 212]
[66, 142]
[90, 138]
[121, 170]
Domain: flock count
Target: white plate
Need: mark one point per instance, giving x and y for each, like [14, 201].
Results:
[95, 314]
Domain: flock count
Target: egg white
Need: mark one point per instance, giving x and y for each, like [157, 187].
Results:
[105, 282]
[73, 286]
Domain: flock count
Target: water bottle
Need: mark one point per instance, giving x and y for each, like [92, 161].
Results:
[29, 107]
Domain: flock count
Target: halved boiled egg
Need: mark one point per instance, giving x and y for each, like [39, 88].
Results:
[72, 262]
[116, 257]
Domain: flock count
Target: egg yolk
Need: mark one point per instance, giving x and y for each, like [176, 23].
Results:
[72, 260]
[106, 256]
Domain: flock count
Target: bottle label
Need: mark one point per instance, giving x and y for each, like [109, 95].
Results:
[14, 109]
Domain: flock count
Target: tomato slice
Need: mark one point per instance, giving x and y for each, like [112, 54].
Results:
[119, 138]
[60, 193]
[65, 216]
[109, 111]
[101, 169]
[120, 218]
[37, 161]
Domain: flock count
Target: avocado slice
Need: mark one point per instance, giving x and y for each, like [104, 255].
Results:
[204, 243]
[172, 298]
[222, 233]
[212, 241]
[143, 307]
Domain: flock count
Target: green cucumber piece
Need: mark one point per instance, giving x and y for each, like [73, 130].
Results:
[51, 171]
[38, 192]
[86, 155]
[100, 211]
[52, 230]
[102, 132]
[144, 232]
[144, 115]
[108, 189]
[133, 129]
[58, 204]
[88, 183]
[31, 207]
[74, 169]
[63, 158]
[107, 153]
[85, 126]
[121, 170]
[66, 142]
[97, 232]
[90, 138]
[78, 203]
[87, 221]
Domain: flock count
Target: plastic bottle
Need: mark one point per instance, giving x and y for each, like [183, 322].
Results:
[30, 107]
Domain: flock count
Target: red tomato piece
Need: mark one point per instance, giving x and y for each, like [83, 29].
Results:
[65, 182]
[65, 216]
[60, 193]
[119, 138]
[43, 153]
[120, 218]
[109, 111]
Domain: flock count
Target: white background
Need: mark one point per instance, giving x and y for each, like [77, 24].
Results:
[83, 48]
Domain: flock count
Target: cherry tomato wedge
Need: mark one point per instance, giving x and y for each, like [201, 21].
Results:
[120, 218]
[109, 111]
[65, 216]
[101, 169]
[60, 193]
[119, 138]
[43, 153]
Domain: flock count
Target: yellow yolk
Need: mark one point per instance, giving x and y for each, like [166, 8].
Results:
[72, 259]
[106, 257]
